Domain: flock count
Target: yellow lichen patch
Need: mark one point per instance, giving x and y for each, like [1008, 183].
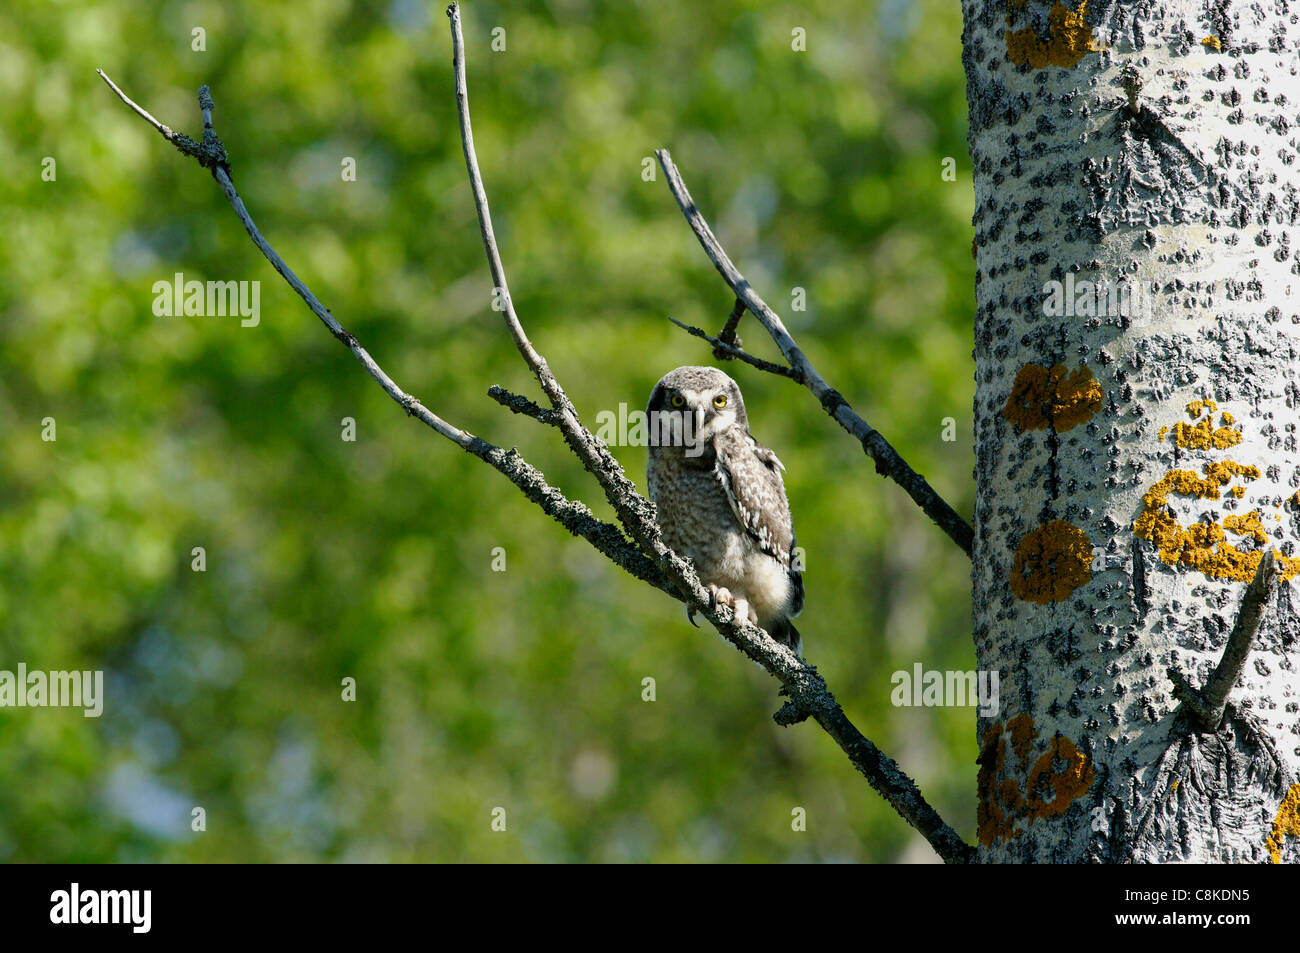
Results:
[1043, 397]
[1203, 545]
[1212, 42]
[1061, 775]
[1069, 38]
[1247, 524]
[1051, 562]
[1203, 436]
[1287, 822]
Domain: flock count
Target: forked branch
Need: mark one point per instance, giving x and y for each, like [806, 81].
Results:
[873, 443]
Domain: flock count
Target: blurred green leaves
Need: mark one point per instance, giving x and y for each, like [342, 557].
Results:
[372, 559]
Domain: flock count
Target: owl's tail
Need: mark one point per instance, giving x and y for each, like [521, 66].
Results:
[785, 633]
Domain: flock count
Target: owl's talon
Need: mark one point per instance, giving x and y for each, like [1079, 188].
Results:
[690, 616]
[719, 596]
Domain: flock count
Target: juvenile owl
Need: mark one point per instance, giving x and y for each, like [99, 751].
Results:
[720, 499]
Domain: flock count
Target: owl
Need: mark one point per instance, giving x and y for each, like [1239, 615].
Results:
[720, 499]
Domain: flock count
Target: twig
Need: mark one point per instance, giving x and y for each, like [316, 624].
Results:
[1206, 707]
[649, 560]
[728, 335]
[522, 405]
[721, 349]
[876, 446]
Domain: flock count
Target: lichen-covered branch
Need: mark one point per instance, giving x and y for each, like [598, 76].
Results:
[519, 404]
[874, 444]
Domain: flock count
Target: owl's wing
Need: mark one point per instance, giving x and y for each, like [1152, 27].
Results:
[751, 476]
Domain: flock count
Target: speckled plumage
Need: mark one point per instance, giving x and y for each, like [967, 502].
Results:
[720, 498]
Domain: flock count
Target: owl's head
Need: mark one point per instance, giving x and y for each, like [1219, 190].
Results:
[700, 401]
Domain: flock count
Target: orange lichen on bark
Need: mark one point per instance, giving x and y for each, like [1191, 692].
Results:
[1287, 822]
[1051, 562]
[1044, 397]
[1067, 783]
[1288, 568]
[1022, 731]
[1203, 545]
[1212, 42]
[1060, 776]
[1247, 524]
[1204, 436]
[1069, 38]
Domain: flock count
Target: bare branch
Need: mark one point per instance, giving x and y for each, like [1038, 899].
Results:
[573, 516]
[1207, 707]
[728, 335]
[876, 446]
[181, 141]
[522, 405]
[725, 350]
[634, 512]
[649, 559]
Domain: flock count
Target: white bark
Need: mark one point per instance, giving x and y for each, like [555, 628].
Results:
[1155, 143]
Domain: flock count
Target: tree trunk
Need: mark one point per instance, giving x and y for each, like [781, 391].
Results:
[1135, 416]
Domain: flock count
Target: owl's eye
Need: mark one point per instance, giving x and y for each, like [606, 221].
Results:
[720, 401]
[678, 401]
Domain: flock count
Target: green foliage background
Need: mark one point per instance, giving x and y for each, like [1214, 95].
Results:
[328, 559]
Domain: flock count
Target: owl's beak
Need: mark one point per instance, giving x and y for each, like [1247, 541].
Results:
[694, 432]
